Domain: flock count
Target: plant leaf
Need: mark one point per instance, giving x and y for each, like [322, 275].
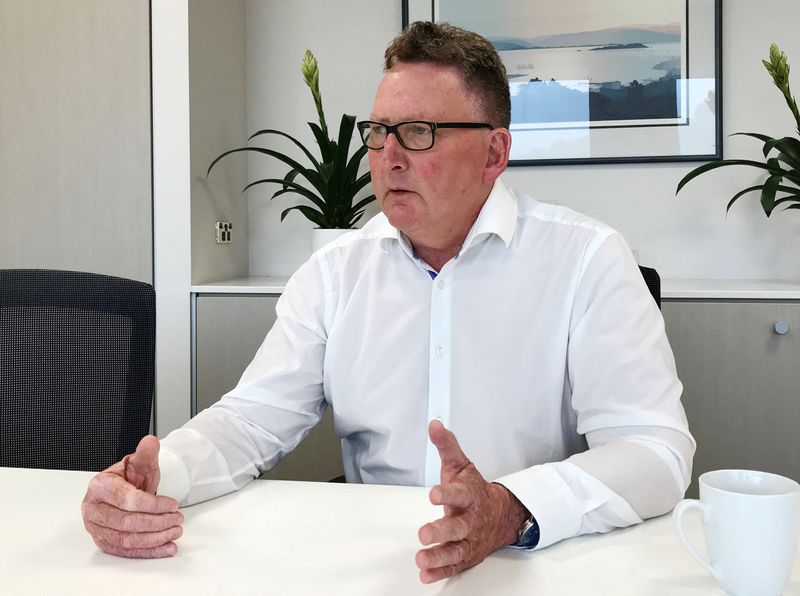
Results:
[326, 171]
[356, 186]
[722, 163]
[767, 140]
[789, 199]
[267, 131]
[290, 176]
[325, 149]
[355, 163]
[741, 193]
[786, 145]
[354, 220]
[768, 192]
[284, 191]
[755, 135]
[311, 175]
[338, 178]
[311, 214]
[293, 187]
[362, 203]
[793, 173]
[759, 187]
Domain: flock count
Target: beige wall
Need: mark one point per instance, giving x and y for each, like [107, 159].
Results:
[75, 136]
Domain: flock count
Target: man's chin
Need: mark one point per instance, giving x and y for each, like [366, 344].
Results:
[402, 217]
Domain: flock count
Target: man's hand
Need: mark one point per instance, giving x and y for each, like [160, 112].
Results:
[122, 512]
[479, 516]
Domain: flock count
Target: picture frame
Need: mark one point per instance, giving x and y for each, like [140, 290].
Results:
[636, 81]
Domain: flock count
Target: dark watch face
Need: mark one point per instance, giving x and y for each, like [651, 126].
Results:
[530, 537]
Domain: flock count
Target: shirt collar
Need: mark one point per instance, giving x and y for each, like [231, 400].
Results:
[498, 216]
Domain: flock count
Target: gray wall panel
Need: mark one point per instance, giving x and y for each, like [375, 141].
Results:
[741, 383]
[75, 136]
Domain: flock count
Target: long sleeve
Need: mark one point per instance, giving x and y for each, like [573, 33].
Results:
[626, 393]
[276, 403]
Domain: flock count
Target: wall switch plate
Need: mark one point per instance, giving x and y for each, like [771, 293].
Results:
[223, 231]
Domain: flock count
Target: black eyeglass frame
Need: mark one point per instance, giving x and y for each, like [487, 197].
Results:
[392, 129]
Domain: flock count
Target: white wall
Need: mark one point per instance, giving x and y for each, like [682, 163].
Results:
[687, 236]
[172, 210]
[348, 38]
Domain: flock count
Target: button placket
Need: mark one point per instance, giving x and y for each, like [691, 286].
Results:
[439, 369]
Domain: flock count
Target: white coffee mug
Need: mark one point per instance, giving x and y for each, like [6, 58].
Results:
[751, 521]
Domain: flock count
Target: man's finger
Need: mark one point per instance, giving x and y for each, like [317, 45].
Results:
[114, 490]
[443, 555]
[429, 576]
[129, 521]
[446, 529]
[141, 467]
[452, 494]
[165, 550]
[133, 540]
[449, 450]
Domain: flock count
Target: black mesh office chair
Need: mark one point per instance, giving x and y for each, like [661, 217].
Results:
[77, 368]
[653, 281]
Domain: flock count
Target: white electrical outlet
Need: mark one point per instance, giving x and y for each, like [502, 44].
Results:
[223, 231]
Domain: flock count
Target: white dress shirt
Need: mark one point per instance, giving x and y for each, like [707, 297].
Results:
[537, 340]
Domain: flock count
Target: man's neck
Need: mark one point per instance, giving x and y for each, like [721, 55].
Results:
[438, 248]
[436, 254]
[436, 258]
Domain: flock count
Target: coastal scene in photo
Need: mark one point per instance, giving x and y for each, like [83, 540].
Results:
[583, 63]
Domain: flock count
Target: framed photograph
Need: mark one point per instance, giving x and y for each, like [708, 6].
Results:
[602, 81]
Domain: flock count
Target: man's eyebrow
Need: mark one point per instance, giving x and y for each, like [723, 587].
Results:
[384, 120]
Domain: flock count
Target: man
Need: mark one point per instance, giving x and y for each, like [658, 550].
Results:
[523, 327]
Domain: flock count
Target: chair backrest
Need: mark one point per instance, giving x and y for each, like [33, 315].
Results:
[653, 281]
[77, 368]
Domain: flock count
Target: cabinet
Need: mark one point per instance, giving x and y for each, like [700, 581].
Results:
[741, 382]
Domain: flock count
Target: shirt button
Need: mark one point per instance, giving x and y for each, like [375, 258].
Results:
[439, 352]
[441, 284]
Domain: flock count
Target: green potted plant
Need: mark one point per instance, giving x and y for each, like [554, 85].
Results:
[331, 182]
[781, 156]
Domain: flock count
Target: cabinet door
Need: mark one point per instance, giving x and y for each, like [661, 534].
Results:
[741, 383]
[229, 331]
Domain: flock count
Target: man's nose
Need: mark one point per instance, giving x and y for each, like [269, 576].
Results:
[393, 152]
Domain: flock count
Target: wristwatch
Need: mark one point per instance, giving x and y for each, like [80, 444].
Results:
[528, 534]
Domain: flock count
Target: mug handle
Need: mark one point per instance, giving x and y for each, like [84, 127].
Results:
[677, 520]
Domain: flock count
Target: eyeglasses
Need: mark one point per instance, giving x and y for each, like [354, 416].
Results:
[417, 135]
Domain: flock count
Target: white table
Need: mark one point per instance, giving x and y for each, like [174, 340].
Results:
[315, 538]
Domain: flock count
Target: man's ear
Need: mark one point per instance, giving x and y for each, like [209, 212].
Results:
[497, 156]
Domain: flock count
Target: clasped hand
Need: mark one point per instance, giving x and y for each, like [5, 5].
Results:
[479, 516]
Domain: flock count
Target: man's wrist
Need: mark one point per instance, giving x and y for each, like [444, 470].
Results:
[514, 514]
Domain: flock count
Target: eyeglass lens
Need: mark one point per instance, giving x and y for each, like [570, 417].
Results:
[416, 136]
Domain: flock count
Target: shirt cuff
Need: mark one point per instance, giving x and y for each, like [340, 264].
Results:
[548, 497]
[174, 475]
